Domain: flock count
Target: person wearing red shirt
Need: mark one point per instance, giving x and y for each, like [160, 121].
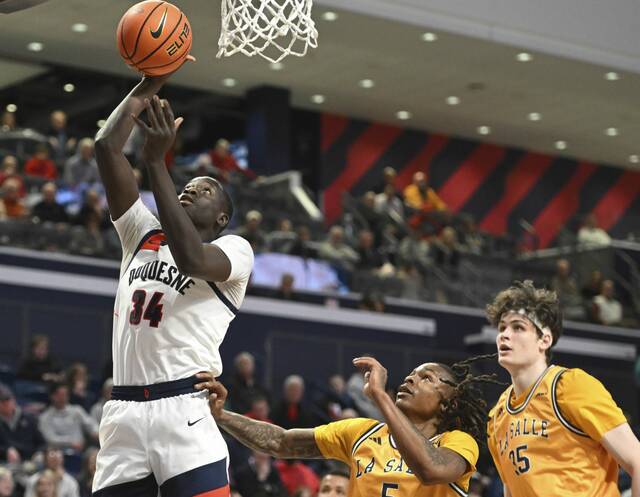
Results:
[41, 165]
[222, 159]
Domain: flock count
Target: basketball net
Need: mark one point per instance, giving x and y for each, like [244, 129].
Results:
[272, 29]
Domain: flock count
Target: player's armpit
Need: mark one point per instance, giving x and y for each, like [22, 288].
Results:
[623, 445]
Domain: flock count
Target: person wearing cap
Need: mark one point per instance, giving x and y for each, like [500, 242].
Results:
[20, 437]
[252, 232]
[554, 430]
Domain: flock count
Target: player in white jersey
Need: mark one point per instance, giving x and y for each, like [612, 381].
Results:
[180, 286]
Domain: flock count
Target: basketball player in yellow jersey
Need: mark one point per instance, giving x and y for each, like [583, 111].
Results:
[554, 431]
[426, 448]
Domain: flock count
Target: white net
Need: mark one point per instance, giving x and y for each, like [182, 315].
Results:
[272, 29]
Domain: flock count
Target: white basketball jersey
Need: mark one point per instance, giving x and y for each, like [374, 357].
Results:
[167, 325]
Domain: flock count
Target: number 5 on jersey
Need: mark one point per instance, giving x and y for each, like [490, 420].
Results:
[153, 312]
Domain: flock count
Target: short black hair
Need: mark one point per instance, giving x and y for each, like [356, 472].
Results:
[337, 471]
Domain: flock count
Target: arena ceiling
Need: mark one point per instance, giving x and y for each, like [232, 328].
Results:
[597, 118]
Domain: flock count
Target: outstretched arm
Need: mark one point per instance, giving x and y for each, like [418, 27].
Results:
[623, 445]
[429, 463]
[115, 171]
[257, 435]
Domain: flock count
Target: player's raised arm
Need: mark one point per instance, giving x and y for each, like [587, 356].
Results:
[257, 435]
[116, 173]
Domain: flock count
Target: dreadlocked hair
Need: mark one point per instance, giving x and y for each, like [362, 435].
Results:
[523, 295]
[466, 409]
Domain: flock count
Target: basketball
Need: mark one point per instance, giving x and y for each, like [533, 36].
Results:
[154, 37]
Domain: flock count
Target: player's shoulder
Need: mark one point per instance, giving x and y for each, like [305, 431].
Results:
[458, 436]
[233, 240]
[571, 379]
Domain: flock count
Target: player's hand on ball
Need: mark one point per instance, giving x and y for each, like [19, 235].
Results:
[375, 376]
[217, 392]
[161, 131]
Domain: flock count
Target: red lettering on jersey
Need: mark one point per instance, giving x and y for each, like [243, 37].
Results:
[146, 393]
[154, 242]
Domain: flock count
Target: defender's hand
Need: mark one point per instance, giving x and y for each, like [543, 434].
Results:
[217, 392]
[161, 131]
[375, 376]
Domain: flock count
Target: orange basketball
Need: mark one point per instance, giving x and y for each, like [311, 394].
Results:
[154, 37]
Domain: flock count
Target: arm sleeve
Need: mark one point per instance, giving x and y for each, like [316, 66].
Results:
[463, 444]
[132, 226]
[240, 254]
[586, 404]
[336, 440]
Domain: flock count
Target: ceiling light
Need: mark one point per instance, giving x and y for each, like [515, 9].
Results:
[69, 87]
[635, 159]
[35, 46]
[561, 145]
[12, 108]
[366, 83]
[453, 100]
[403, 115]
[484, 130]
[79, 27]
[534, 116]
[276, 66]
[524, 57]
[229, 82]
[329, 16]
[429, 37]
[101, 123]
[612, 76]
[318, 99]
[611, 132]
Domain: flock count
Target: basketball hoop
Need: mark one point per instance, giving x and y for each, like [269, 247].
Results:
[272, 29]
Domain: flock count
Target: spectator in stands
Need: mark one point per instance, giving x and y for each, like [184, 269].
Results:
[48, 210]
[260, 410]
[336, 251]
[63, 484]
[373, 220]
[387, 203]
[567, 290]
[88, 471]
[10, 170]
[389, 177]
[6, 483]
[96, 409]
[40, 165]
[286, 290]
[446, 252]
[39, 365]
[64, 425]
[412, 282]
[297, 477]
[364, 404]
[252, 232]
[334, 483]
[82, 168]
[303, 246]
[282, 239]
[226, 164]
[419, 196]
[259, 478]
[245, 387]
[11, 205]
[414, 249]
[78, 383]
[60, 141]
[20, 437]
[46, 485]
[593, 286]
[471, 240]
[372, 301]
[337, 399]
[92, 212]
[369, 257]
[8, 122]
[291, 411]
[591, 235]
[605, 308]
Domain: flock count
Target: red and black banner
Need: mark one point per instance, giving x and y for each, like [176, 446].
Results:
[499, 186]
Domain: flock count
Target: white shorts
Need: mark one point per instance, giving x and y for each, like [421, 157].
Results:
[163, 438]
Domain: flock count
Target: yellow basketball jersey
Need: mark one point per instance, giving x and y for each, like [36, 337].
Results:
[377, 468]
[547, 442]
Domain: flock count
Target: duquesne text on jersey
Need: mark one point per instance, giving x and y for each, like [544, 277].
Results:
[158, 271]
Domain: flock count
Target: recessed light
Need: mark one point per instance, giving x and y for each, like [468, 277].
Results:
[12, 108]
[79, 27]
[276, 66]
[318, 99]
[329, 16]
[366, 83]
[35, 46]
[612, 76]
[229, 82]
[484, 130]
[429, 37]
[101, 123]
[534, 116]
[524, 57]
[611, 132]
[561, 145]
[635, 159]
[453, 100]
[403, 115]
[69, 87]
